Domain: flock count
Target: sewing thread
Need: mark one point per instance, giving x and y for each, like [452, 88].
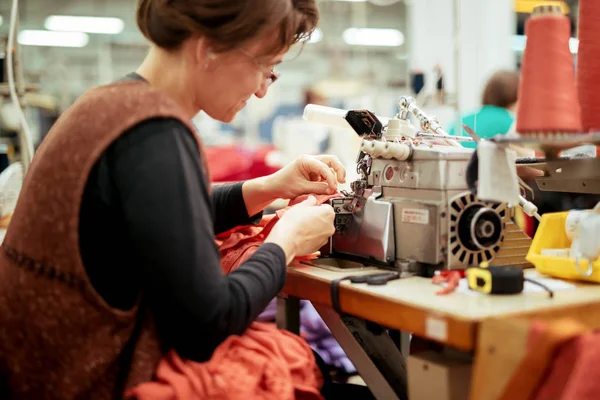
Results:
[548, 102]
[588, 64]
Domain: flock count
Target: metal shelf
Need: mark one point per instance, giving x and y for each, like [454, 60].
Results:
[570, 175]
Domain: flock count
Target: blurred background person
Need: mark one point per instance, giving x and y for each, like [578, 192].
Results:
[498, 111]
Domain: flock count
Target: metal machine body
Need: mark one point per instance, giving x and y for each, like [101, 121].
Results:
[412, 207]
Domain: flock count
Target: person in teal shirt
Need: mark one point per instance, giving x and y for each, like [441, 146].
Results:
[497, 114]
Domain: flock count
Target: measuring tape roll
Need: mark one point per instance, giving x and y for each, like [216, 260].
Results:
[496, 280]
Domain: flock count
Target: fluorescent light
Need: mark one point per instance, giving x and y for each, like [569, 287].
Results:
[1, 20]
[316, 36]
[55, 39]
[519, 42]
[65, 23]
[373, 37]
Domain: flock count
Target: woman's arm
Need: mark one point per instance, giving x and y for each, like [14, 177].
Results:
[167, 213]
[229, 207]
[258, 194]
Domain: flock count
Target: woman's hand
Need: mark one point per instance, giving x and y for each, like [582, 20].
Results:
[303, 229]
[307, 175]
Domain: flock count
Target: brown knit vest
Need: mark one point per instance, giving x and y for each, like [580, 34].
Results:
[58, 338]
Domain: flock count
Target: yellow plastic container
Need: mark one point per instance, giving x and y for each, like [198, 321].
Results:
[551, 235]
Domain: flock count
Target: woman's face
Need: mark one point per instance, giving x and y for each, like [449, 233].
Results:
[233, 77]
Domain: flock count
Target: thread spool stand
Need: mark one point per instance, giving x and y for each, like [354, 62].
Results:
[561, 174]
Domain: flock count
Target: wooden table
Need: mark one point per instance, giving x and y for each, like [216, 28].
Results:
[454, 320]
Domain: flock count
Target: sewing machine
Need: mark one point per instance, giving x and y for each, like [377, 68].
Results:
[411, 208]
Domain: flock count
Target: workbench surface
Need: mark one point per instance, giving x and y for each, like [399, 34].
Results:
[411, 305]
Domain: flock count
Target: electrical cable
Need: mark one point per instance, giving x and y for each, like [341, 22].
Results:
[546, 288]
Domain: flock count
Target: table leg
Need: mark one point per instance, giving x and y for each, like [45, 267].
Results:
[373, 352]
[288, 314]
[402, 340]
[405, 338]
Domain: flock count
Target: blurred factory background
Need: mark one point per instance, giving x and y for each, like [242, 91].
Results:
[364, 55]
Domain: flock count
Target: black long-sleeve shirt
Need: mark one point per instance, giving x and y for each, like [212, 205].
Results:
[148, 224]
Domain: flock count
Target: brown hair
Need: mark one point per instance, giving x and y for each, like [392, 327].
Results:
[226, 24]
[311, 96]
[501, 90]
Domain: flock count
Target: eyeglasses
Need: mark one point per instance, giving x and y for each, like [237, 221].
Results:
[270, 75]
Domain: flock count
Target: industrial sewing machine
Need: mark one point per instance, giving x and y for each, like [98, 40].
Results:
[411, 208]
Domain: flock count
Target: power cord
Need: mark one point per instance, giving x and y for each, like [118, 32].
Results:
[546, 288]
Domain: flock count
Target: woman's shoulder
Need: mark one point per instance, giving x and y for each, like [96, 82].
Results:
[496, 112]
[163, 133]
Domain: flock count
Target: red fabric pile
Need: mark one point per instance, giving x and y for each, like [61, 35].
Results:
[238, 244]
[561, 364]
[573, 374]
[264, 363]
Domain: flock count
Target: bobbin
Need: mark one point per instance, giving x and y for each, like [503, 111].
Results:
[549, 140]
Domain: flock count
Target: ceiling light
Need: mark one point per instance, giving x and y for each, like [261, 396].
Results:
[316, 36]
[53, 39]
[1, 20]
[373, 37]
[65, 23]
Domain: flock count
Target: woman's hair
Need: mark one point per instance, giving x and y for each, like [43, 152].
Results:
[227, 24]
[502, 89]
[311, 96]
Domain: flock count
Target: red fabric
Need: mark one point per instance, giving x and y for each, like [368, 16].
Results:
[560, 364]
[228, 163]
[573, 373]
[236, 163]
[264, 363]
[238, 244]
[259, 165]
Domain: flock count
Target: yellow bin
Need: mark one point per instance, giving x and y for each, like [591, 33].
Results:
[551, 235]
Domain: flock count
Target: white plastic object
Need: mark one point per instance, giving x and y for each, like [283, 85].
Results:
[11, 181]
[589, 238]
[329, 116]
[387, 150]
[400, 128]
[528, 207]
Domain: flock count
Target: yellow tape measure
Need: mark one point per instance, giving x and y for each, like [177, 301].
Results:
[496, 280]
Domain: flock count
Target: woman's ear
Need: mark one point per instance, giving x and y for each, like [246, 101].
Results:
[204, 53]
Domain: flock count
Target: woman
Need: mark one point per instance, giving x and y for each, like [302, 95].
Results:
[499, 103]
[109, 260]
